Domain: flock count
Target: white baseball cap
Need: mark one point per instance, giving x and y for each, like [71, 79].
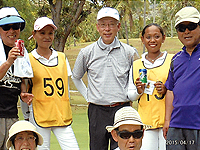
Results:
[108, 12]
[41, 22]
[125, 115]
[21, 126]
[188, 13]
[9, 15]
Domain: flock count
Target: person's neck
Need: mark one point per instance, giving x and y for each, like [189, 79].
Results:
[190, 49]
[46, 53]
[152, 57]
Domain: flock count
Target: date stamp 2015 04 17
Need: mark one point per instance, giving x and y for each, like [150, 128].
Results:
[180, 142]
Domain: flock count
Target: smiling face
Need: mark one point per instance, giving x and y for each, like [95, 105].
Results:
[24, 141]
[108, 28]
[127, 144]
[190, 39]
[44, 37]
[9, 37]
[153, 39]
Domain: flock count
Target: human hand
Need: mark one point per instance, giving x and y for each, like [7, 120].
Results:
[12, 55]
[165, 128]
[140, 86]
[27, 97]
[160, 87]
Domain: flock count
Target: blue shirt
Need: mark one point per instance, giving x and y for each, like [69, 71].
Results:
[184, 81]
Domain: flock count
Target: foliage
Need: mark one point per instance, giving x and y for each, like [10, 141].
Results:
[76, 19]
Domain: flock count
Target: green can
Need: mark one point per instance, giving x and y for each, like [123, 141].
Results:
[143, 75]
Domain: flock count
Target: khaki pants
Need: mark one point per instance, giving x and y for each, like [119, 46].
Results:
[5, 124]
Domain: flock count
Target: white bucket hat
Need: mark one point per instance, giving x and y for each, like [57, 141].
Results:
[21, 126]
[108, 12]
[125, 115]
[9, 15]
[188, 13]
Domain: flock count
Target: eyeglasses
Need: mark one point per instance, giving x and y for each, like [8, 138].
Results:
[110, 25]
[29, 139]
[14, 26]
[137, 134]
[191, 26]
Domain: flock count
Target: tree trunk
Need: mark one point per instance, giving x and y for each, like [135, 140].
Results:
[75, 13]
[127, 41]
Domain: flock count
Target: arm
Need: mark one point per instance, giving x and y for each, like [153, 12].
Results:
[133, 94]
[25, 110]
[80, 86]
[25, 96]
[168, 111]
[12, 55]
[69, 72]
[78, 72]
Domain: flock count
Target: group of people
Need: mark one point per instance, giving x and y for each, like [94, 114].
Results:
[167, 116]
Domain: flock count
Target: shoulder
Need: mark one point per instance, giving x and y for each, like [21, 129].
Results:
[137, 62]
[89, 47]
[177, 55]
[128, 47]
[60, 53]
[130, 51]
[170, 56]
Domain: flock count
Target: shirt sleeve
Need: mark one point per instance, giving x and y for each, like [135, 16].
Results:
[169, 84]
[81, 87]
[80, 66]
[69, 72]
[132, 90]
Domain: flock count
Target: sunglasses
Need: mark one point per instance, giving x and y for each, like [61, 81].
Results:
[191, 26]
[15, 26]
[137, 134]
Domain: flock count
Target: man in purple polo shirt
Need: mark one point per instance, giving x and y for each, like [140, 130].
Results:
[182, 118]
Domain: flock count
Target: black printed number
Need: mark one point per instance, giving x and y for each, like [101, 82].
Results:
[59, 85]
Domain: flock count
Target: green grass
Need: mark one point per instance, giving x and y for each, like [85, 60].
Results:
[79, 109]
[79, 125]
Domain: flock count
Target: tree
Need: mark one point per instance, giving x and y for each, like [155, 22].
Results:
[67, 15]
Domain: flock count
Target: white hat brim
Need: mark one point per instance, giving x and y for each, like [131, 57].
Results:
[129, 122]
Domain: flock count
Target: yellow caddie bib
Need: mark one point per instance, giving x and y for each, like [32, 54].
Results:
[152, 107]
[51, 106]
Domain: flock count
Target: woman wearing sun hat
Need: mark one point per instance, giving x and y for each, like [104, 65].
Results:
[23, 135]
[12, 70]
[51, 110]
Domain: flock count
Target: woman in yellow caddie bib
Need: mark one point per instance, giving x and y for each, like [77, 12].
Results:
[50, 109]
[151, 95]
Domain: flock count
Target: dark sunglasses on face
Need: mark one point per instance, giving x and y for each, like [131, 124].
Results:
[137, 134]
[182, 27]
[15, 26]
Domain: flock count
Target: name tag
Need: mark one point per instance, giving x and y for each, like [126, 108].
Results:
[149, 88]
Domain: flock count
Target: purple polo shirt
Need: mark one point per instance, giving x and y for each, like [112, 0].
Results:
[184, 81]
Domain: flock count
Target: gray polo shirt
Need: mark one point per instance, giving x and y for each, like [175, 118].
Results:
[107, 68]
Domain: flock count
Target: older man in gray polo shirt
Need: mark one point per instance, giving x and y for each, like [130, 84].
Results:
[107, 63]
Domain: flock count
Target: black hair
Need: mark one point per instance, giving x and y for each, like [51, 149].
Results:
[153, 24]
[12, 139]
